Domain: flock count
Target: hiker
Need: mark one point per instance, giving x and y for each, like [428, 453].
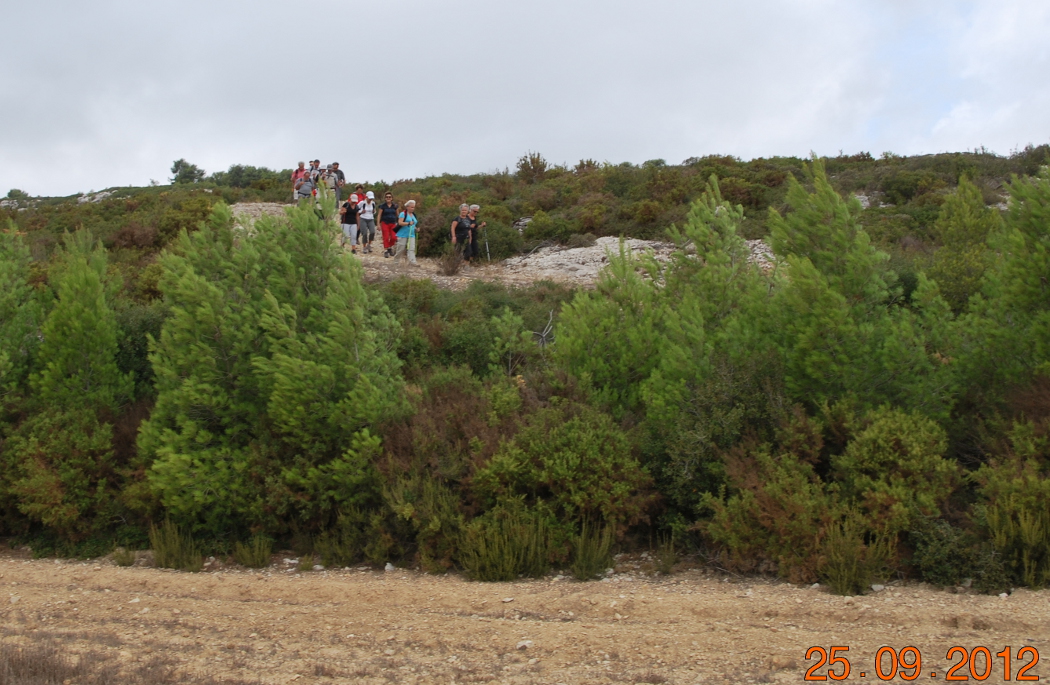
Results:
[406, 234]
[388, 224]
[461, 232]
[340, 181]
[331, 181]
[304, 187]
[296, 175]
[475, 229]
[366, 221]
[349, 219]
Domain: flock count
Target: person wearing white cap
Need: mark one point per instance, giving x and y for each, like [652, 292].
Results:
[406, 234]
[366, 219]
[349, 220]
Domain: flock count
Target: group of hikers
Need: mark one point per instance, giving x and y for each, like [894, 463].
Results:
[398, 225]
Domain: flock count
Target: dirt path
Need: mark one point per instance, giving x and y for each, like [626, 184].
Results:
[577, 267]
[367, 626]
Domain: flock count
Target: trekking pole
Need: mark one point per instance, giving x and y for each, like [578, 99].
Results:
[488, 255]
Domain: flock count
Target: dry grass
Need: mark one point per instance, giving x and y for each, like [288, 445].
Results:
[48, 660]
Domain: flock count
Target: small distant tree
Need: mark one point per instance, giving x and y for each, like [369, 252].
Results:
[186, 172]
[16, 194]
[532, 167]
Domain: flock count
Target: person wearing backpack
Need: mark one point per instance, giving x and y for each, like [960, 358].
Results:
[366, 221]
[348, 212]
[406, 234]
[304, 187]
[340, 181]
[388, 224]
[296, 175]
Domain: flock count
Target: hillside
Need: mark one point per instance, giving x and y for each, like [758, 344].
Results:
[833, 371]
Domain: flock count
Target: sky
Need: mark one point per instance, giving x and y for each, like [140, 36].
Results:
[111, 92]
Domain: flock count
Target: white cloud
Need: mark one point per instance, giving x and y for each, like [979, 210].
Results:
[110, 93]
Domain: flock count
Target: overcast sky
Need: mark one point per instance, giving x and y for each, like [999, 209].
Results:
[110, 92]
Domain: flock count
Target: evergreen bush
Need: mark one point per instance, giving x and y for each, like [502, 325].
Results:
[270, 370]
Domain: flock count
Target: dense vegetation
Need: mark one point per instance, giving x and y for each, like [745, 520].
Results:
[879, 402]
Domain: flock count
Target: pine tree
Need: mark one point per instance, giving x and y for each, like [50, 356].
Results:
[271, 369]
[20, 317]
[60, 457]
[1005, 338]
[838, 319]
[962, 229]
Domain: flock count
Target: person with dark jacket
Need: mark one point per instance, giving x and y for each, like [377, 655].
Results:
[388, 224]
[475, 229]
[460, 231]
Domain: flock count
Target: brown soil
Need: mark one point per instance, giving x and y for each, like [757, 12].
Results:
[365, 626]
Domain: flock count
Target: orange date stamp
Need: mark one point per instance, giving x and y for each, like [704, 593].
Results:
[976, 663]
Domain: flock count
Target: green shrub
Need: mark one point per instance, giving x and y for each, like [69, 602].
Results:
[433, 510]
[850, 565]
[576, 460]
[499, 241]
[123, 556]
[895, 470]
[173, 548]
[948, 556]
[666, 555]
[254, 554]
[773, 516]
[941, 552]
[592, 551]
[546, 227]
[1021, 534]
[581, 240]
[505, 543]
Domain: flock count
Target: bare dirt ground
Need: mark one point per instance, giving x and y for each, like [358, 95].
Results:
[280, 625]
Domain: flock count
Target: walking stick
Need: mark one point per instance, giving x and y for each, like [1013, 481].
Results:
[488, 255]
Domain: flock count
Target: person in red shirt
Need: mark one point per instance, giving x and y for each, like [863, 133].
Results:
[296, 175]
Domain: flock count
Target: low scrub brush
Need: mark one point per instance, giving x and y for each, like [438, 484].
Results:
[592, 552]
[172, 548]
[255, 554]
[506, 544]
[450, 263]
[123, 557]
[851, 565]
